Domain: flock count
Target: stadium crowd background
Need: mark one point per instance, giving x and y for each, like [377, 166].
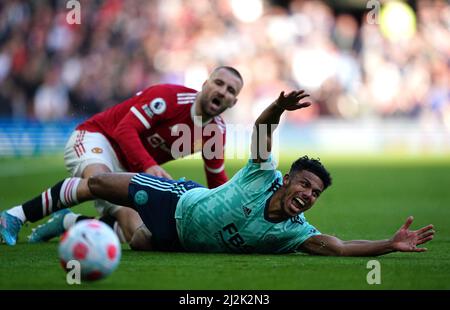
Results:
[398, 66]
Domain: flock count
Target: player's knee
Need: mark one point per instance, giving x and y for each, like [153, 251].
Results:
[141, 239]
[95, 169]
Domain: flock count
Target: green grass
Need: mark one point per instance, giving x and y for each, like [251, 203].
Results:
[370, 199]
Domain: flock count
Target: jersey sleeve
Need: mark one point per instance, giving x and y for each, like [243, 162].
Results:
[148, 109]
[256, 176]
[213, 154]
[307, 231]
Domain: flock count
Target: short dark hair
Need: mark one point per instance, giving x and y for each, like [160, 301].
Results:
[312, 165]
[232, 70]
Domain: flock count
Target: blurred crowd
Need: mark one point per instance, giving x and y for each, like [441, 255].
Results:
[354, 65]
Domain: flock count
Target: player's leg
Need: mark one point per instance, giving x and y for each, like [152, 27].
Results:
[141, 239]
[66, 193]
[133, 229]
[155, 199]
[112, 187]
[118, 188]
[61, 195]
[98, 151]
[126, 223]
[129, 222]
[86, 154]
[88, 160]
[64, 219]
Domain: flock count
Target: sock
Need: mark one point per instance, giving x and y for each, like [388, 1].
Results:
[112, 222]
[70, 219]
[17, 212]
[83, 217]
[75, 218]
[108, 220]
[61, 195]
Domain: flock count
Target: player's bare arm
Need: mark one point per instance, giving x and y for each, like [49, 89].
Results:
[270, 118]
[404, 240]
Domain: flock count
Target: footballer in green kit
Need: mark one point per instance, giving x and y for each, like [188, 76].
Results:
[258, 211]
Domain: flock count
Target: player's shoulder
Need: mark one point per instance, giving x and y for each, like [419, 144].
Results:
[169, 90]
[168, 97]
[181, 95]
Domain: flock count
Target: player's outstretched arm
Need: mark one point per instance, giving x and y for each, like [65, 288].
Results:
[267, 122]
[404, 240]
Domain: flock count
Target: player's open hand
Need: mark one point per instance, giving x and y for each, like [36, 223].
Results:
[406, 240]
[157, 171]
[293, 100]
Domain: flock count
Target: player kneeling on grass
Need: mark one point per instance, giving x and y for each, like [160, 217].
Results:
[257, 211]
[137, 135]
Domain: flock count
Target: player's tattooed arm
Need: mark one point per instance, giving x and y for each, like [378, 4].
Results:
[404, 240]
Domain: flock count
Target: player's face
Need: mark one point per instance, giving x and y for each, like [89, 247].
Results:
[302, 190]
[219, 92]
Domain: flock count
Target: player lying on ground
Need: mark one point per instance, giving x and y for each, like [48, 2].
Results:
[136, 135]
[257, 211]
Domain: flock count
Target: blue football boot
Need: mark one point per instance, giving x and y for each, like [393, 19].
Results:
[52, 228]
[9, 228]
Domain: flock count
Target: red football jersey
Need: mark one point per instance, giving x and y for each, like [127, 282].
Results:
[158, 125]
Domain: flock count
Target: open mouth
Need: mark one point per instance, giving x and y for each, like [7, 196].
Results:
[216, 102]
[298, 203]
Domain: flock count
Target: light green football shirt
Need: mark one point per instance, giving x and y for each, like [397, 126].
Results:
[233, 217]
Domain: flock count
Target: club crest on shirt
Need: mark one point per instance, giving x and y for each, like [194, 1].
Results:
[158, 106]
[97, 150]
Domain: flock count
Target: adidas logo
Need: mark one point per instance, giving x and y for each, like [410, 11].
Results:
[247, 211]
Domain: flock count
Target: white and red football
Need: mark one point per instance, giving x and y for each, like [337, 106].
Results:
[93, 246]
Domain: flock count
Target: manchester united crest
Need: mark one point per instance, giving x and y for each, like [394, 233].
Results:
[97, 150]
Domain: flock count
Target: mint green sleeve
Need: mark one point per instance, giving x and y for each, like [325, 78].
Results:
[254, 176]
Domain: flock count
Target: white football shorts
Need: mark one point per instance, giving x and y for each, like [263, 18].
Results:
[85, 148]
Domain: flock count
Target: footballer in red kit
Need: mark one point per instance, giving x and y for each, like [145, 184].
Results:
[159, 124]
[143, 129]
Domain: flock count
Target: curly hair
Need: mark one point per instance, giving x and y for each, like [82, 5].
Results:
[312, 165]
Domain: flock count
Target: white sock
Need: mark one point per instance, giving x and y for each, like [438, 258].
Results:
[17, 212]
[68, 192]
[69, 220]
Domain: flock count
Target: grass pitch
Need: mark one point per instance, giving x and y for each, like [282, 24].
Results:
[370, 199]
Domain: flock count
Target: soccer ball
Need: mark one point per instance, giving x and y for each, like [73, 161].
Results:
[93, 245]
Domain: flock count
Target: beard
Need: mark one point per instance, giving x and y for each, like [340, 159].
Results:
[207, 113]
